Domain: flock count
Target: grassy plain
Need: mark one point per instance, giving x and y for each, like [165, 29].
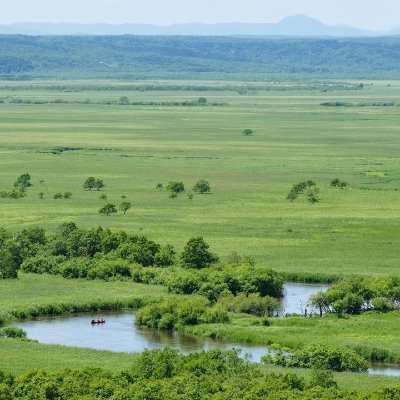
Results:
[133, 148]
[30, 291]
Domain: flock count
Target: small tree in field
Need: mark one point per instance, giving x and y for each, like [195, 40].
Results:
[90, 183]
[247, 132]
[108, 209]
[23, 181]
[159, 186]
[41, 195]
[202, 186]
[57, 196]
[175, 187]
[125, 206]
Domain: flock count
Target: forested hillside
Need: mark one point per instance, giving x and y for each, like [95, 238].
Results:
[189, 56]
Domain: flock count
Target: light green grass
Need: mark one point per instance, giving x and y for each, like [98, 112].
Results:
[349, 231]
[372, 335]
[31, 291]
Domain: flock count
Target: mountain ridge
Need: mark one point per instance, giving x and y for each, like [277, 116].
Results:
[297, 25]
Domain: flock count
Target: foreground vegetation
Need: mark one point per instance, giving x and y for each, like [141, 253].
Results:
[169, 375]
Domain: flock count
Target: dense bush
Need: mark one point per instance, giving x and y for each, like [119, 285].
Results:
[166, 374]
[354, 295]
[174, 314]
[12, 332]
[251, 304]
[320, 357]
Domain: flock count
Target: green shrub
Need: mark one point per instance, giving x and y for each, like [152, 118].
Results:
[12, 332]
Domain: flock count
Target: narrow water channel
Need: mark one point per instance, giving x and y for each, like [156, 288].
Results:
[120, 333]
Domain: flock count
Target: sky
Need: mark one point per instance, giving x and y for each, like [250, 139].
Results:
[367, 14]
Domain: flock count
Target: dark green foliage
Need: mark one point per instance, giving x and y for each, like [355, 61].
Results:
[58, 196]
[67, 195]
[202, 186]
[320, 357]
[159, 186]
[42, 264]
[179, 56]
[174, 314]
[169, 375]
[89, 183]
[12, 332]
[353, 295]
[323, 378]
[109, 269]
[11, 255]
[23, 181]
[196, 254]
[299, 188]
[108, 209]
[125, 206]
[247, 132]
[165, 256]
[337, 183]
[175, 188]
[251, 304]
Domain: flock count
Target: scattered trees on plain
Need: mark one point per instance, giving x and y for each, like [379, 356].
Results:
[108, 209]
[202, 186]
[125, 206]
[93, 183]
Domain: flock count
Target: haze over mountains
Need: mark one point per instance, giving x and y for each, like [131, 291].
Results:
[299, 25]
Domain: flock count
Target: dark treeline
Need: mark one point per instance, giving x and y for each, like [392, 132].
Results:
[168, 375]
[182, 56]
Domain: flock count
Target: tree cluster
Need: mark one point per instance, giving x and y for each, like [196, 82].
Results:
[169, 375]
[320, 357]
[93, 183]
[20, 186]
[354, 295]
[308, 188]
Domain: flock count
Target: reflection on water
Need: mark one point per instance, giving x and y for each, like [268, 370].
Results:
[297, 295]
[119, 333]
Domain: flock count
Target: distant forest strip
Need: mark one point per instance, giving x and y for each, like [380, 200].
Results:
[24, 57]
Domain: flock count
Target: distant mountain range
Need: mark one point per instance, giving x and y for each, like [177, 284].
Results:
[299, 25]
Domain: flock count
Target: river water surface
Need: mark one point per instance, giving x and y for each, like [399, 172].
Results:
[119, 333]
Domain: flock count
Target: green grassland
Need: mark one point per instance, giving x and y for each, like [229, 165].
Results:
[32, 290]
[133, 148]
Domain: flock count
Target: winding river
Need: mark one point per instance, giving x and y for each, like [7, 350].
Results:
[120, 334]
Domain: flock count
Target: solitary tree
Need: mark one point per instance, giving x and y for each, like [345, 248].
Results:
[90, 183]
[196, 254]
[23, 181]
[202, 186]
[125, 206]
[159, 186]
[175, 187]
[247, 132]
[41, 195]
[108, 209]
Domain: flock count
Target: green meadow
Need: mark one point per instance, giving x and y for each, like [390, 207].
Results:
[135, 147]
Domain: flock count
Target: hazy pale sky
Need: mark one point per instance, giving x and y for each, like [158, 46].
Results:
[370, 14]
